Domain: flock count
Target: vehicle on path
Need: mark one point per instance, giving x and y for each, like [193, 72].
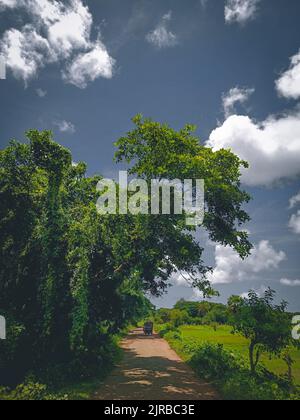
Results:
[148, 328]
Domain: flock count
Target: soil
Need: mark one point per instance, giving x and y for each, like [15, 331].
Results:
[151, 370]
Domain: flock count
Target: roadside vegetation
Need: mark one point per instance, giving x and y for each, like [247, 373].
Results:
[72, 279]
[218, 342]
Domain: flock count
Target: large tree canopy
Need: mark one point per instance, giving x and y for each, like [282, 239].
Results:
[156, 151]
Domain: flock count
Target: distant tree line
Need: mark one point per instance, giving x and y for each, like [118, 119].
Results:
[194, 313]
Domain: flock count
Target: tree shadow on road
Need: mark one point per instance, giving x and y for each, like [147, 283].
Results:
[153, 378]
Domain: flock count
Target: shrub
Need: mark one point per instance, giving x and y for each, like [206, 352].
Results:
[29, 391]
[244, 386]
[173, 335]
[213, 362]
[168, 328]
[231, 374]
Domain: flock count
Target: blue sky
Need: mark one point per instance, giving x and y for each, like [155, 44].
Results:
[232, 67]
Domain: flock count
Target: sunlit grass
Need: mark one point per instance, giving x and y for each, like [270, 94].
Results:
[202, 334]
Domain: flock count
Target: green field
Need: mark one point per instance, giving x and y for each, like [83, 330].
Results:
[236, 343]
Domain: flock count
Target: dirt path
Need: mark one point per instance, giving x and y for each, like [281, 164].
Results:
[151, 370]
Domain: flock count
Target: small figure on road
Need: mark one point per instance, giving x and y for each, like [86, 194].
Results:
[148, 328]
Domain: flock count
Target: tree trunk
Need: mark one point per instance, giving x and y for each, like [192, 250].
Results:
[251, 356]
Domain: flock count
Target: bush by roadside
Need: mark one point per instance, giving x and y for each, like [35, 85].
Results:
[230, 372]
[30, 391]
[73, 381]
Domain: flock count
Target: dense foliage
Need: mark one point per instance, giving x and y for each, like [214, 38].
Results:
[193, 313]
[231, 373]
[70, 278]
[265, 329]
[60, 288]
[156, 151]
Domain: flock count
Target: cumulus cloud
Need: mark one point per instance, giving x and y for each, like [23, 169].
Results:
[290, 283]
[229, 267]
[89, 66]
[41, 93]
[240, 11]
[288, 85]
[58, 32]
[25, 52]
[69, 30]
[2, 68]
[295, 200]
[234, 96]
[271, 147]
[161, 37]
[65, 127]
[10, 4]
[294, 223]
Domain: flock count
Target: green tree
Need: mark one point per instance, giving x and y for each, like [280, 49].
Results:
[156, 151]
[70, 277]
[217, 314]
[61, 287]
[192, 308]
[179, 318]
[163, 315]
[267, 326]
[234, 302]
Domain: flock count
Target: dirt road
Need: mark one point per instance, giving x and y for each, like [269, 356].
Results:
[151, 370]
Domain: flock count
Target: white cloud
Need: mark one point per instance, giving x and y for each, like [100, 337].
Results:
[71, 29]
[231, 268]
[234, 96]
[10, 4]
[183, 279]
[272, 147]
[58, 32]
[290, 283]
[25, 52]
[89, 66]
[197, 294]
[41, 93]
[65, 126]
[294, 200]
[288, 85]
[2, 68]
[161, 36]
[240, 11]
[294, 223]
[180, 279]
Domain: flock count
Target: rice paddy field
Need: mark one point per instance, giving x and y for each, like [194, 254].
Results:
[236, 343]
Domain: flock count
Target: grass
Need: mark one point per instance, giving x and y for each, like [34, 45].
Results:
[236, 343]
[83, 391]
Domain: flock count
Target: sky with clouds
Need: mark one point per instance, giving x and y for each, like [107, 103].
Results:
[84, 68]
